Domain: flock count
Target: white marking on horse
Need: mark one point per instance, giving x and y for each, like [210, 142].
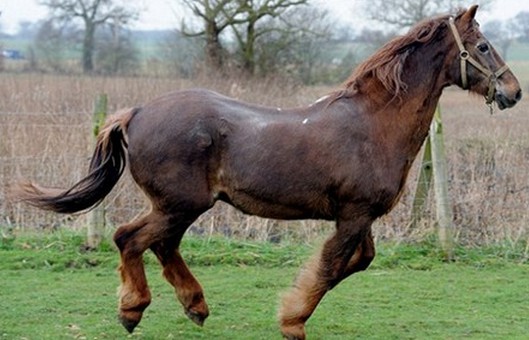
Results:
[321, 99]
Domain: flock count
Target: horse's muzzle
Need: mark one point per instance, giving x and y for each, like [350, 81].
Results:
[505, 101]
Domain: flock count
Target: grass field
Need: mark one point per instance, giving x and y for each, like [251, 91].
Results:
[51, 290]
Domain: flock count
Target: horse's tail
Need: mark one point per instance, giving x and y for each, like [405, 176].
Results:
[107, 165]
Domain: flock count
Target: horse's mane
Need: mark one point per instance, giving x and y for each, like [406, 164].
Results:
[387, 63]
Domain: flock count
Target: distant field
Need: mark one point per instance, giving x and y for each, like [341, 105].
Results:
[149, 46]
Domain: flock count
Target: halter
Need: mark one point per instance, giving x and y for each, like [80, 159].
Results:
[465, 57]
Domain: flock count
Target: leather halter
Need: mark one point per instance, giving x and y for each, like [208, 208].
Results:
[465, 57]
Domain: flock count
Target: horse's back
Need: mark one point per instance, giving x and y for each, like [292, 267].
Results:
[191, 148]
[213, 147]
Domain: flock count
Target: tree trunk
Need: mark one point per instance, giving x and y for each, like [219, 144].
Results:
[249, 49]
[213, 47]
[88, 47]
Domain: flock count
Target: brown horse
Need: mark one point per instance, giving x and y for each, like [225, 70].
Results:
[344, 158]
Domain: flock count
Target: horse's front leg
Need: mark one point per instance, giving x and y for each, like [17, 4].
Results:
[187, 288]
[362, 257]
[349, 250]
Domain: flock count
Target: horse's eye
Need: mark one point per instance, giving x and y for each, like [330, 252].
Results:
[483, 47]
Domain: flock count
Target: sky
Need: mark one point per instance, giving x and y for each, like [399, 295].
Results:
[164, 14]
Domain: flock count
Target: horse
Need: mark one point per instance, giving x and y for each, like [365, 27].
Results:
[344, 158]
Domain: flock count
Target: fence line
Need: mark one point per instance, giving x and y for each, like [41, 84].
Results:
[486, 176]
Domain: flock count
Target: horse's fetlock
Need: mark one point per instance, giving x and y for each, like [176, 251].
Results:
[293, 331]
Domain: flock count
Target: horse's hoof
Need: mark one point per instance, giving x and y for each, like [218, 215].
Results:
[292, 337]
[196, 317]
[293, 332]
[129, 323]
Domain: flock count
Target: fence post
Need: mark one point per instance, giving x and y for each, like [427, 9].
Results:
[423, 185]
[442, 202]
[96, 224]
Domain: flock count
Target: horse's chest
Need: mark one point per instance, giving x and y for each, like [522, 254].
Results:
[377, 186]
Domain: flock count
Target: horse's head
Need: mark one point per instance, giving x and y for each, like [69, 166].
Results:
[477, 66]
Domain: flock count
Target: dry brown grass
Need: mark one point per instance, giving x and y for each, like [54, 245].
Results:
[45, 129]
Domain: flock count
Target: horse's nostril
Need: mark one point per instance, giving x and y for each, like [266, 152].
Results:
[518, 95]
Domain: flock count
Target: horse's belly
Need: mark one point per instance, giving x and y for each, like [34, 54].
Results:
[275, 208]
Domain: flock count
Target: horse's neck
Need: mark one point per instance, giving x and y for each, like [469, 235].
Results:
[412, 114]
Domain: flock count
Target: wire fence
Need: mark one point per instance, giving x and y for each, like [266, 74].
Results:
[488, 181]
[55, 150]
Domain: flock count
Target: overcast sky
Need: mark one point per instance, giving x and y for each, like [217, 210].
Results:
[163, 14]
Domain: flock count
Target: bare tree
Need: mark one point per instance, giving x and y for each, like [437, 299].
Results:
[51, 42]
[180, 53]
[216, 16]
[116, 53]
[92, 13]
[243, 17]
[247, 31]
[405, 13]
[294, 43]
[521, 25]
[374, 38]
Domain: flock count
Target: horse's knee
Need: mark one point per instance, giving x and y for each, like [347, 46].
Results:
[359, 261]
[365, 261]
[368, 253]
[364, 257]
[120, 238]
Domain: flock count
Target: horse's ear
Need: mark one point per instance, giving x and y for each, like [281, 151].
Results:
[469, 15]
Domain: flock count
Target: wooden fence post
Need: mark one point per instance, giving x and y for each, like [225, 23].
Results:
[442, 201]
[96, 224]
[423, 185]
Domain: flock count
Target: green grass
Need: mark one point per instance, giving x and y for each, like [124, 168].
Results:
[52, 290]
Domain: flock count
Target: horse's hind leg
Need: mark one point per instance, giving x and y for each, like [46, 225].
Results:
[349, 250]
[132, 240]
[187, 288]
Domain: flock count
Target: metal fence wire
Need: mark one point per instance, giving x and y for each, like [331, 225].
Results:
[488, 186]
